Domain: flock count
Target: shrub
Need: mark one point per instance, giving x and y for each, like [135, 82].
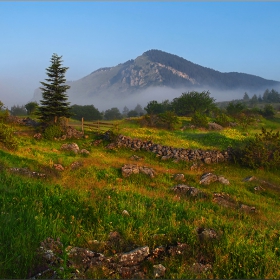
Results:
[268, 111]
[222, 119]
[167, 120]
[262, 151]
[7, 137]
[199, 120]
[53, 131]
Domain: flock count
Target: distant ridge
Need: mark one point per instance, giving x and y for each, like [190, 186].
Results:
[153, 69]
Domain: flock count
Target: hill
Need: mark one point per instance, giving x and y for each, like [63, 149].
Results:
[159, 75]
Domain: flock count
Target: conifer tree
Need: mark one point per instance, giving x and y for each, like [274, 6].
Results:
[54, 104]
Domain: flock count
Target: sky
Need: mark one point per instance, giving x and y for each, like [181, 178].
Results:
[225, 36]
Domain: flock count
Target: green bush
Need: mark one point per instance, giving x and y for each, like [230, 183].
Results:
[53, 131]
[263, 151]
[222, 119]
[199, 120]
[167, 120]
[7, 137]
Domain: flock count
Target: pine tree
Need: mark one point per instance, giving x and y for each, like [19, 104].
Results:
[54, 104]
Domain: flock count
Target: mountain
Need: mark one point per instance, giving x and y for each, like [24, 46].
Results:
[156, 71]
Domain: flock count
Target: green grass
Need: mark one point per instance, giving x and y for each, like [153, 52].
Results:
[79, 206]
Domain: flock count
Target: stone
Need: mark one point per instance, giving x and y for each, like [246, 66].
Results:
[38, 136]
[223, 180]
[207, 160]
[214, 126]
[70, 147]
[159, 270]
[224, 199]
[125, 213]
[247, 208]
[58, 167]
[135, 256]
[84, 152]
[205, 234]
[129, 169]
[76, 165]
[148, 171]
[135, 157]
[249, 179]
[208, 178]
[179, 177]
[201, 268]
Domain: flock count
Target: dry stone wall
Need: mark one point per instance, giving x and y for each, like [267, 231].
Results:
[167, 152]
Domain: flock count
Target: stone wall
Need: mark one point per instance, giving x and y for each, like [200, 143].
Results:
[167, 152]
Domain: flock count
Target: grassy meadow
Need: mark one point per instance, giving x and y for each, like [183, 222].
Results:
[82, 206]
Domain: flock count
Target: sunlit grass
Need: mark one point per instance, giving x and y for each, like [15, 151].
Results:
[86, 204]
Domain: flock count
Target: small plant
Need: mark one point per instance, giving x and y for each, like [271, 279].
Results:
[7, 137]
[53, 131]
[199, 120]
[263, 151]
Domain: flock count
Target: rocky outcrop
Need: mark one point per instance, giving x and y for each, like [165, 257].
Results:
[167, 152]
[124, 265]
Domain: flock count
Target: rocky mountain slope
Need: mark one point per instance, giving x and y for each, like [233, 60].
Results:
[157, 69]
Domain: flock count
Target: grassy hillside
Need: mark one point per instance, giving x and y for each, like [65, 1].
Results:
[82, 206]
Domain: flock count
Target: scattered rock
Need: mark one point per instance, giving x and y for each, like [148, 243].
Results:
[159, 270]
[38, 136]
[76, 165]
[179, 177]
[208, 178]
[224, 199]
[148, 171]
[129, 169]
[125, 213]
[135, 157]
[190, 191]
[249, 179]
[114, 235]
[214, 126]
[84, 152]
[135, 256]
[223, 180]
[58, 167]
[247, 208]
[97, 142]
[201, 268]
[70, 147]
[205, 234]
[27, 172]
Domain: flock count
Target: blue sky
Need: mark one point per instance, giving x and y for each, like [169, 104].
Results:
[225, 36]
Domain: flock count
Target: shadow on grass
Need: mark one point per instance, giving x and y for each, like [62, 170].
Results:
[210, 139]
